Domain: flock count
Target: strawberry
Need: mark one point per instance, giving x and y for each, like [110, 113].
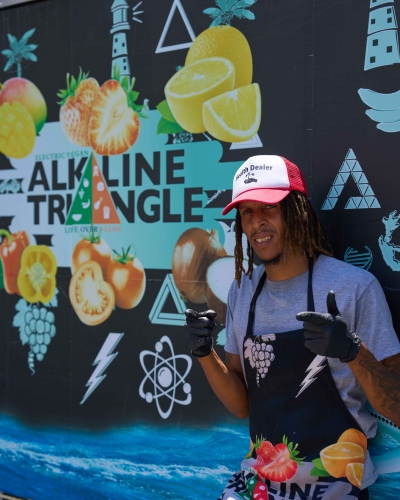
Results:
[279, 463]
[260, 491]
[114, 122]
[76, 105]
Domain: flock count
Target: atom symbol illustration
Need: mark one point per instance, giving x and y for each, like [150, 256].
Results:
[165, 377]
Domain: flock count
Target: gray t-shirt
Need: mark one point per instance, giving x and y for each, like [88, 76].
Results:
[360, 300]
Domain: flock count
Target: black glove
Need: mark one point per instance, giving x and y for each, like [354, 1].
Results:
[198, 331]
[328, 334]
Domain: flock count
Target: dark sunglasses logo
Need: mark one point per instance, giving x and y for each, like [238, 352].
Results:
[250, 178]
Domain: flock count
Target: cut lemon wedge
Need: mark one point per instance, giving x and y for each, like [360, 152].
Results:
[354, 473]
[234, 116]
[194, 84]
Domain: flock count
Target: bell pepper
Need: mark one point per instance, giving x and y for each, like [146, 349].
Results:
[11, 249]
[37, 275]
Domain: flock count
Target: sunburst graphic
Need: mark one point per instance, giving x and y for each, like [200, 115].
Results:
[136, 12]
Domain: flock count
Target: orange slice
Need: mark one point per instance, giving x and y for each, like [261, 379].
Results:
[336, 457]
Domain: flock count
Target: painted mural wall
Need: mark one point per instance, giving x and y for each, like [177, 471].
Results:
[121, 125]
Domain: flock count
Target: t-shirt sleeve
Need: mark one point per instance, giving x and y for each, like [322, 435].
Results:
[231, 344]
[374, 323]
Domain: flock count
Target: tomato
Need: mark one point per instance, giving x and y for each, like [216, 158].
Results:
[91, 297]
[126, 275]
[91, 247]
[37, 276]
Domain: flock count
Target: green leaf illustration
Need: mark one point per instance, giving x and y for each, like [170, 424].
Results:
[166, 127]
[165, 111]
[319, 469]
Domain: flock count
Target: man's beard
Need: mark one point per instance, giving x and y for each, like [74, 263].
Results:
[274, 261]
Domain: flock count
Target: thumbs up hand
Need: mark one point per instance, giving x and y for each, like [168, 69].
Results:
[198, 331]
[328, 334]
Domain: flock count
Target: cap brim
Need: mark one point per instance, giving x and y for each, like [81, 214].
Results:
[263, 195]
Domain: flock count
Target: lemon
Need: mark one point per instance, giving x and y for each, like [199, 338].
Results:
[17, 130]
[234, 116]
[354, 436]
[228, 42]
[354, 473]
[191, 86]
[336, 457]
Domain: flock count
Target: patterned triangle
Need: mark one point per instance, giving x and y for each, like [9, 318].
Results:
[351, 165]
[81, 207]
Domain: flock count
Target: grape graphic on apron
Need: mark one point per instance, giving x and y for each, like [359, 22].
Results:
[260, 354]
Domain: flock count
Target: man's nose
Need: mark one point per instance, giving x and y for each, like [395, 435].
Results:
[260, 219]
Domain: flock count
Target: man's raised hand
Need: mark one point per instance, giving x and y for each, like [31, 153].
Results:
[327, 334]
[198, 331]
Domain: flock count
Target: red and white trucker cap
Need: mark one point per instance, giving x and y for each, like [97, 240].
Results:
[266, 179]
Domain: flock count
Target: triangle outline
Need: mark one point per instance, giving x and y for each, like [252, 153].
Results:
[254, 142]
[156, 316]
[361, 181]
[160, 48]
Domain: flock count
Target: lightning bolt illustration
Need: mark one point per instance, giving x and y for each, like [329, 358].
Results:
[313, 369]
[103, 360]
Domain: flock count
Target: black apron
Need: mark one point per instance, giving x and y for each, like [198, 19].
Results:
[296, 419]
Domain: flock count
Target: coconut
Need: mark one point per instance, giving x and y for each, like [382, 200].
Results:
[195, 250]
[220, 275]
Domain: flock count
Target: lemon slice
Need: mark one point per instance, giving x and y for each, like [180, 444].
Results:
[224, 41]
[194, 84]
[234, 116]
[354, 473]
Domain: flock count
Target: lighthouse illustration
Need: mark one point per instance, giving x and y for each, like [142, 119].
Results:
[382, 49]
[382, 43]
[120, 60]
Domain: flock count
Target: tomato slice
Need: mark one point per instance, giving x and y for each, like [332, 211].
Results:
[91, 297]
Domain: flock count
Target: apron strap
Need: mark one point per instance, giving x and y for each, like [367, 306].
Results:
[310, 296]
[253, 304]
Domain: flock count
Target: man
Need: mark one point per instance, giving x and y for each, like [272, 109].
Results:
[302, 377]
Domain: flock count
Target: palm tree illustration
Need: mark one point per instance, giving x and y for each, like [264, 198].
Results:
[19, 51]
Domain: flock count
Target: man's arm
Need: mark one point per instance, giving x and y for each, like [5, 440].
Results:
[227, 381]
[380, 382]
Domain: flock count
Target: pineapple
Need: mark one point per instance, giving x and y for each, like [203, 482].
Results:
[17, 130]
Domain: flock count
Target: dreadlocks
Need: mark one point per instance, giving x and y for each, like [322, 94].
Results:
[304, 232]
